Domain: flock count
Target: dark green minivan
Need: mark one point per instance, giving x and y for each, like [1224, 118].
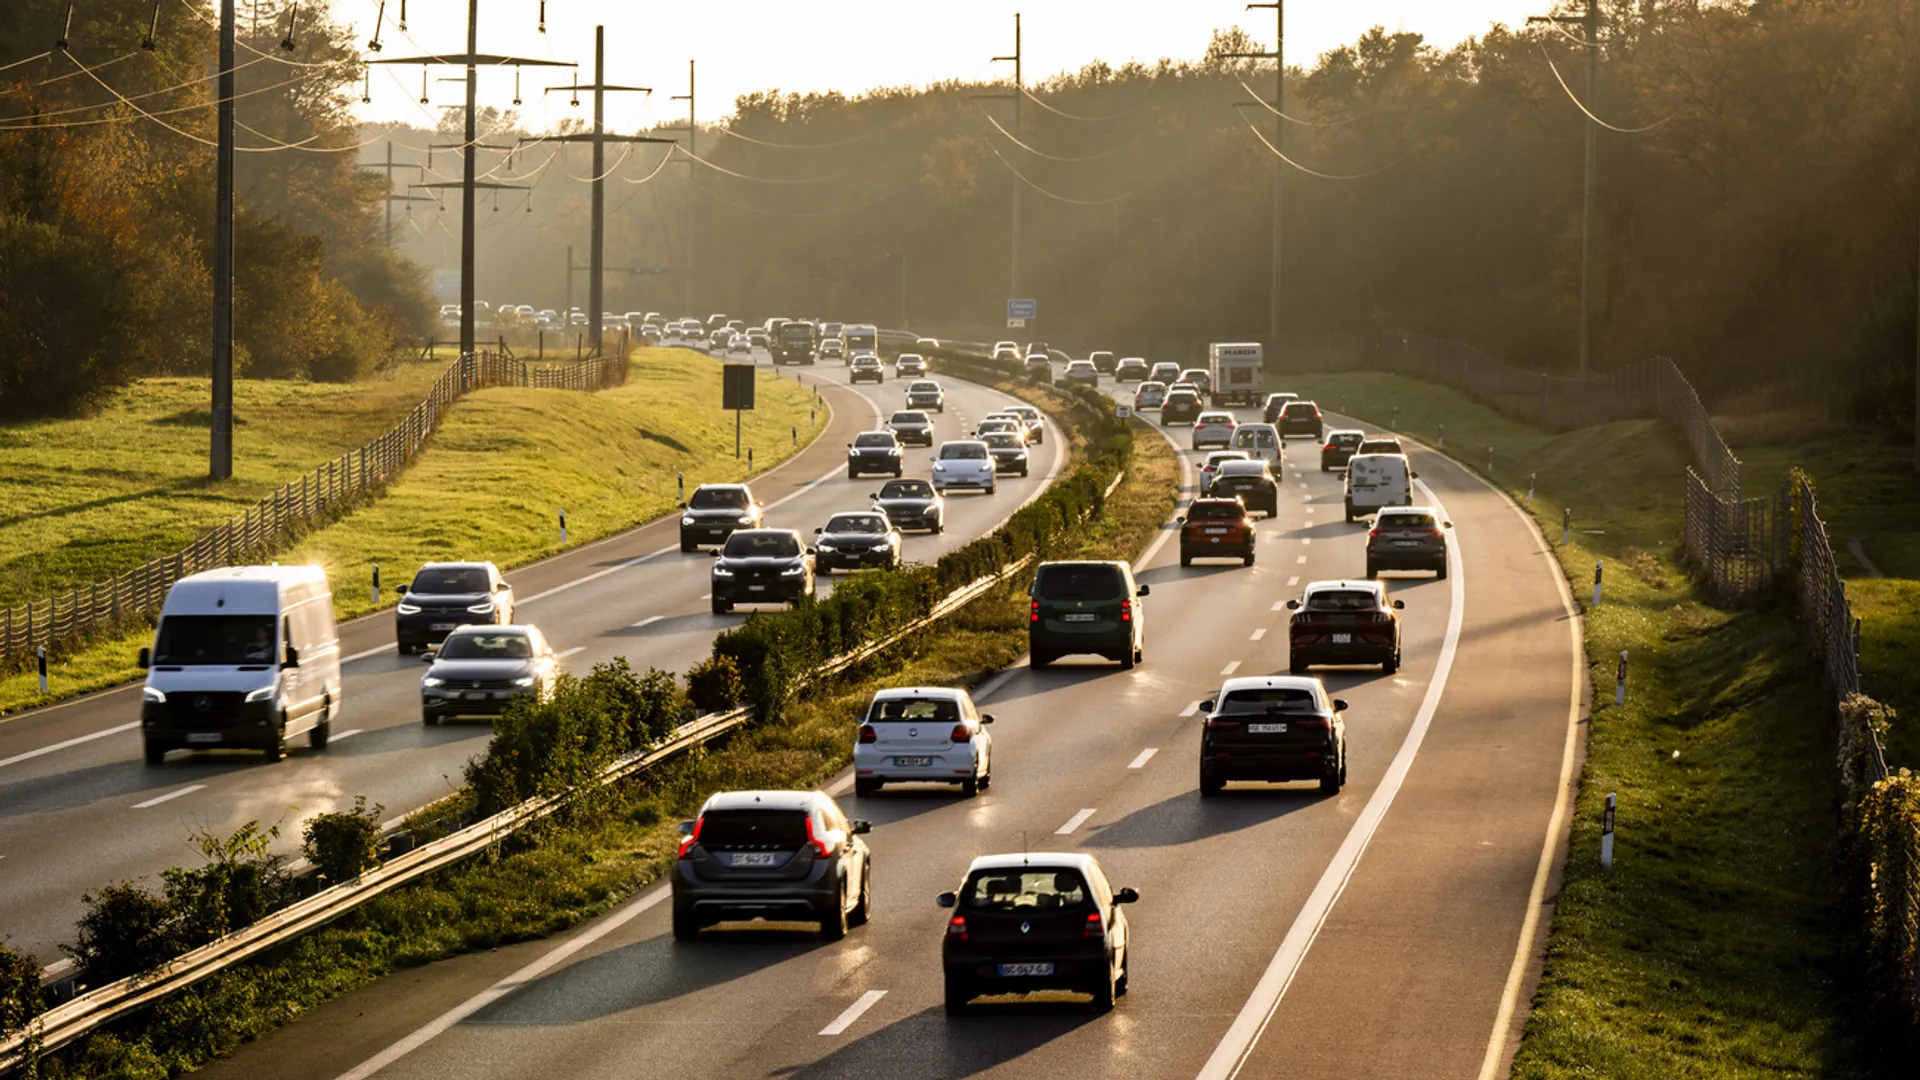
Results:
[1086, 607]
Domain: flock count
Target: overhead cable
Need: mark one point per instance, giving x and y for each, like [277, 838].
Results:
[28, 60]
[1315, 172]
[1589, 113]
[29, 122]
[1083, 119]
[801, 146]
[244, 44]
[1015, 140]
[1062, 198]
[764, 179]
[1268, 105]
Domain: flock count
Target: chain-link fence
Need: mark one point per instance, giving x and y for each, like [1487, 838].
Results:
[291, 509]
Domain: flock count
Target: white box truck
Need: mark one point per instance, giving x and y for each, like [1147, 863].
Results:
[244, 657]
[1236, 371]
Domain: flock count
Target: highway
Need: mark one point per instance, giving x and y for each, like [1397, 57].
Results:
[79, 808]
[1387, 931]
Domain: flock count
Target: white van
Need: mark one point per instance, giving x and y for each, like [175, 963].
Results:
[1377, 480]
[244, 657]
[1261, 442]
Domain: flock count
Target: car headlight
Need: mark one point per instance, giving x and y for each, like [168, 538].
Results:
[405, 608]
[265, 693]
[150, 694]
[524, 680]
[721, 571]
[745, 520]
[826, 546]
[938, 467]
[485, 608]
[433, 680]
[792, 571]
[893, 451]
[686, 521]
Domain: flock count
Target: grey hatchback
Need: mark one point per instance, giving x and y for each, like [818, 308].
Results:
[1407, 538]
[778, 856]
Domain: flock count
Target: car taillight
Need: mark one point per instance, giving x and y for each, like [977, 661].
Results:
[819, 845]
[961, 733]
[957, 927]
[1217, 723]
[1371, 533]
[1436, 533]
[867, 734]
[692, 837]
[1330, 446]
[1126, 611]
[1095, 927]
[1035, 615]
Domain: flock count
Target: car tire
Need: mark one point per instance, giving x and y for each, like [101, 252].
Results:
[970, 787]
[957, 995]
[865, 788]
[1440, 572]
[1247, 560]
[852, 475]
[277, 749]
[863, 911]
[1103, 995]
[686, 544]
[1296, 667]
[1349, 513]
[1372, 571]
[1330, 783]
[1186, 559]
[1129, 657]
[1392, 663]
[1039, 659]
[939, 527]
[686, 927]
[322, 731]
[1120, 984]
[833, 924]
[430, 719]
[1210, 785]
[155, 753]
[721, 607]
[896, 472]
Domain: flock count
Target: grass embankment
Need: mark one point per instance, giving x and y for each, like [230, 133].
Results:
[568, 871]
[1711, 948]
[489, 486]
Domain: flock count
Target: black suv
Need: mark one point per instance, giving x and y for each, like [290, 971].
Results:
[1086, 607]
[873, 451]
[1340, 448]
[773, 855]
[714, 512]
[855, 539]
[445, 596]
[761, 566]
[1275, 404]
[1301, 418]
[1039, 921]
[1103, 361]
[1407, 538]
[1273, 729]
[1181, 407]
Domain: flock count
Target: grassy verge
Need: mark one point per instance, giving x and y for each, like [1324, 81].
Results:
[492, 481]
[1712, 947]
[570, 870]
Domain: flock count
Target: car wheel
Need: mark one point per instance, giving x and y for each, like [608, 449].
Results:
[1186, 559]
[939, 527]
[1372, 570]
[896, 472]
[1391, 664]
[686, 927]
[721, 607]
[430, 719]
[833, 924]
[1323, 468]
[686, 544]
[1330, 783]
[155, 753]
[1210, 784]
[1120, 984]
[1129, 657]
[958, 994]
[1296, 667]
[863, 910]
[277, 749]
[1103, 994]
[865, 786]
[1248, 559]
[970, 787]
[1349, 513]
[1039, 659]
[852, 475]
[1440, 572]
[322, 731]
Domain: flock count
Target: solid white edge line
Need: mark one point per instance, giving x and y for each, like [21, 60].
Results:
[1192, 707]
[1237, 1044]
[169, 796]
[505, 986]
[1074, 822]
[1145, 756]
[347, 734]
[845, 1020]
[75, 741]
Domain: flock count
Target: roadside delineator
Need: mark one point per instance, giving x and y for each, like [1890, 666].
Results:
[563, 528]
[1598, 569]
[1606, 832]
[1620, 680]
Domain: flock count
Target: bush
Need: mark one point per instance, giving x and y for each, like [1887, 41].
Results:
[125, 930]
[240, 882]
[1889, 834]
[713, 685]
[345, 844]
[20, 996]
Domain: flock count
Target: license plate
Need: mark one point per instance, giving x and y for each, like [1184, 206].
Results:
[756, 588]
[475, 695]
[443, 626]
[1216, 532]
[912, 762]
[203, 736]
[1406, 543]
[752, 858]
[1343, 639]
[1012, 971]
[1079, 617]
[1267, 729]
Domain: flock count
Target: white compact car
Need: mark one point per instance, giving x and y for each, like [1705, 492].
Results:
[964, 463]
[923, 735]
[1213, 429]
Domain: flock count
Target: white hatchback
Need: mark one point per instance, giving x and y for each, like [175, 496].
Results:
[923, 735]
[1214, 429]
[964, 463]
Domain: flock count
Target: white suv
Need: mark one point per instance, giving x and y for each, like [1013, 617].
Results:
[1214, 429]
[923, 735]
[963, 463]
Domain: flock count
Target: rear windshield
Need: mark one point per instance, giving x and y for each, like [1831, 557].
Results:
[1341, 600]
[909, 418]
[451, 580]
[1403, 520]
[774, 830]
[1260, 699]
[1380, 446]
[1346, 440]
[857, 523]
[1003, 424]
[881, 439]
[1183, 396]
[486, 647]
[1242, 468]
[1260, 437]
[1217, 511]
[1216, 418]
[1026, 411]
[1193, 374]
[1003, 440]
[719, 499]
[1025, 889]
[762, 545]
[214, 639]
[962, 452]
[938, 710]
[1301, 408]
[1079, 582]
[907, 489]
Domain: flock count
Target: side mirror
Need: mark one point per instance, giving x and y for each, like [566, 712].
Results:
[1446, 524]
[861, 827]
[876, 498]
[1208, 705]
[1399, 605]
[682, 505]
[406, 588]
[426, 657]
[816, 532]
[146, 659]
[293, 658]
[1339, 704]
[849, 446]
[713, 554]
[1293, 605]
[1414, 476]
[946, 899]
[1181, 520]
[1127, 896]
[986, 718]
[813, 551]
[686, 828]
[1144, 589]
[503, 587]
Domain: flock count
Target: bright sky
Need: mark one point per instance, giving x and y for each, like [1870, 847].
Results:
[844, 45]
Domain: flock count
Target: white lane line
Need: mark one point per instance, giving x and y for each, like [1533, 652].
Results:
[706, 596]
[1145, 756]
[570, 652]
[1232, 666]
[1258, 633]
[1301, 560]
[648, 621]
[1305, 540]
[1291, 582]
[343, 735]
[1237, 1044]
[157, 800]
[1309, 509]
[1074, 822]
[504, 987]
[362, 655]
[1192, 707]
[845, 1020]
[1281, 605]
[75, 741]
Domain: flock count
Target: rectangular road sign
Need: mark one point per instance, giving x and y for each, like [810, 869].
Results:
[1016, 324]
[1023, 309]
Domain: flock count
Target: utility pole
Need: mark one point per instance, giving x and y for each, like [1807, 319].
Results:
[472, 60]
[693, 149]
[1019, 90]
[391, 197]
[1590, 22]
[1278, 56]
[599, 139]
[220, 452]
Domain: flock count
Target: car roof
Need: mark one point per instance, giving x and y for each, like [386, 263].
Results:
[456, 566]
[1221, 500]
[944, 693]
[1428, 510]
[1042, 859]
[1078, 363]
[1246, 466]
[762, 800]
[1272, 682]
[961, 442]
[1211, 417]
[1354, 431]
[795, 533]
[475, 629]
[921, 413]
[1256, 427]
[1227, 455]
[1345, 585]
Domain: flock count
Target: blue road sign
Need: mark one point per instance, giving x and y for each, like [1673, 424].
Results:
[1023, 309]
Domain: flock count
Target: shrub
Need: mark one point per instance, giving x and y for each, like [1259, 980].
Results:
[240, 882]
[1889, 824]
[125, 930]
[713, 684]
[20, 996]
[345, 844]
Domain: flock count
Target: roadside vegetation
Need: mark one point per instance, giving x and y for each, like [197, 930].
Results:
[1715, 946]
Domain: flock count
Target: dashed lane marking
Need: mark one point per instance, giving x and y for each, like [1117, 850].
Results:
[168, 797]
[1074, 822]
[1145, 756]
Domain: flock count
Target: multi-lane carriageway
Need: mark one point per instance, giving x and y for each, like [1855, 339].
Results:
[1384, 932]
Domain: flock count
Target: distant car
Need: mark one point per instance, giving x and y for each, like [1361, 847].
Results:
[912, 504]
[866, 368]
[1131, 369]
[909, 364]
[719, 340]
[649, 335]
[1150, 395]
[1213, 429]
[1252, 482]
[1216, 529]
[1210, 465]
[1201, 378]
[762, 566]
[1039, 369]
[480, 670]
[830, 348]
[775, 855]
[738, 326]
[1009, 450]
[857, 539]
[444, 596]
[874, 451]
[1086, 607]
[927, 346]
[964, 463]
[1380, 444]
[926, 394]
[1036, 921]
[1340, 448]
[913, 427]
[832, 329]
[1408, 538]
[923, 735]
[1008, 351]
[1081, 372]
[1036, 422]
[1344, 622]
[1301, 418]
[1040, 349]
[1181, 407]
[738, 343]
[1377, 481]
[1275, 405]
[1260, 441]
[1273, 729]
[1002, 423]
[716, 321]
[714, 511]
[1102, 361]
[1166, 371]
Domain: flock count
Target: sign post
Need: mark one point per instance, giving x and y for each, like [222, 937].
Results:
[736, 393]
[1020, 312]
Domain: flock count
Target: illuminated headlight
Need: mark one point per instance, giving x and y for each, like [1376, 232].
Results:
[939, 467]
[686, 521]
[721, 571]
[155, 696]
[792, 571]
[405, 608]
[893, 451]
[524, 680]
[826, 545]
[482, 608]
[433, 680]
[745, 520]
[265, 693]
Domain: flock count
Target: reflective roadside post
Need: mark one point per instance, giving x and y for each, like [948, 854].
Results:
[1598, 569]
[1443, 434]
[1566, 524]
[1489, 461]
[1620, 680]
[1531, 477]
[41, 659]
[1606, 833]
[376, 584]
[680, 481]
[563, 528]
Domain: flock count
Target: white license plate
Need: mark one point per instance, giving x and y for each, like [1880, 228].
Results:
[1343, 639]
[1267, 729]
[912, 762]
[1079, 617]
[752, 858]
[1406, 543]
[1010, 971]
[1216, 532]
[476, 695]
[443, 626]
[204, 736]
[756, 588]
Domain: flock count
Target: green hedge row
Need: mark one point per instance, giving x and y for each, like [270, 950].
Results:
[1881, 825]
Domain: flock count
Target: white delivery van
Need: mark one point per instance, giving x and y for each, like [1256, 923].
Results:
[1262, 442]
[1378, 480]
[1237, 378]
[245, 657]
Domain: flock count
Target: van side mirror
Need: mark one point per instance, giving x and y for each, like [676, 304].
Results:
[946, 899]
[1399, 605]
[293, 658]
[146, 659]
[861, 826]
[1446, 524]
[1414, 476]
[1144, 589]
[1127, 896]
[1339, 704]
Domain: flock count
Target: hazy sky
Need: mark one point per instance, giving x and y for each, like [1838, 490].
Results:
[845, 45]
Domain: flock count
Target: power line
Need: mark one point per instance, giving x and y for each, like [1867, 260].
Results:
[803, 146]
[1577, 103]
[767, 179]
[1083, 119]
[142, 96]
[1062, 198]
[28, 60]
[17, 125]
[1267, 105]
[1015, 140]
[262, 54]
[1314, 172]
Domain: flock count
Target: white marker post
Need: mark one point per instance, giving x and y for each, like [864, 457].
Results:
[1620, 680]
[680, 479]
[1606, 834]
[1443, 434]
[1489, 461]
[796, 434]
[749, 459]
[1566, 524]
[41, 654]
[376, 584]
[1531, 477]
[1598, 569]
[1395, 425]
[563, 528]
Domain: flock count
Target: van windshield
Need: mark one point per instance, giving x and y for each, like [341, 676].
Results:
[223, 640]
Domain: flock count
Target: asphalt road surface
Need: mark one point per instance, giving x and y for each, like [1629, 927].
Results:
[1383, 932]
[80, 809]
